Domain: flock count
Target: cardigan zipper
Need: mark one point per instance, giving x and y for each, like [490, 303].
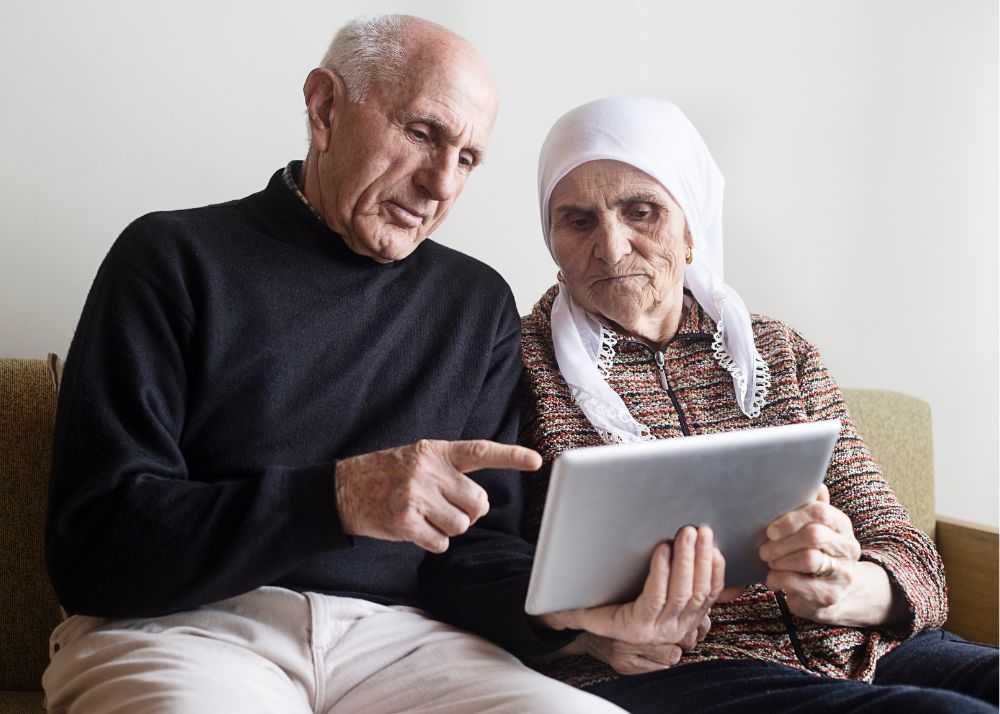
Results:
[658, 355]
[793, 636]
[660, 358]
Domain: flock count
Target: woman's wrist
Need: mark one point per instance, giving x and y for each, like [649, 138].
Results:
[872, 599]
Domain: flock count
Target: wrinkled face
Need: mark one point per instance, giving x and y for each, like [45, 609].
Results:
[398, 160]
[620, 241]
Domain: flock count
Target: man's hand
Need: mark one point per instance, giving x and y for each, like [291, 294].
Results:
[419, 492]
[685, 579]
[814, 558]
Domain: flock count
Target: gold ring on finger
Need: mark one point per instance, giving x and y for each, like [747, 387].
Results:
[825, 568]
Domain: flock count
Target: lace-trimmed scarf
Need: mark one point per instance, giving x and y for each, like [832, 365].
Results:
[654, 136]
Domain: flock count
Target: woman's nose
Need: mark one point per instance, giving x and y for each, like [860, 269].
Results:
[612, 242]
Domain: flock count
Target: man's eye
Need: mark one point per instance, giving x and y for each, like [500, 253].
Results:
[417, 134]
[581, 222]
[466, 160]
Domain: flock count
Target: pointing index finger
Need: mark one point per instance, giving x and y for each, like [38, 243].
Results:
[476, 454]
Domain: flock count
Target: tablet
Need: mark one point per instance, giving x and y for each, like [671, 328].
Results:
[609, 506]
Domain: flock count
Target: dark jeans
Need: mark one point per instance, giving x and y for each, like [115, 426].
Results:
[932, 672]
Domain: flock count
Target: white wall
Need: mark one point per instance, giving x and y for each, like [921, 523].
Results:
[858, 138]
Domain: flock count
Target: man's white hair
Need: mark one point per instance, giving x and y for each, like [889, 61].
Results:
[367, 50]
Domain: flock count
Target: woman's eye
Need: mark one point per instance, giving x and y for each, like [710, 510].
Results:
[579, 222]
[640, 212]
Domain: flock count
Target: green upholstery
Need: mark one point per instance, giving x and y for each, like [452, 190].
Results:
[896, 427]
[28, 607]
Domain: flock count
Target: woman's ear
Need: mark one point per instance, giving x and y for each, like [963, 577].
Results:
[324, 92]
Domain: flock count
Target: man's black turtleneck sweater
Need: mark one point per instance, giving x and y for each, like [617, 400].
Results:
[226, 358]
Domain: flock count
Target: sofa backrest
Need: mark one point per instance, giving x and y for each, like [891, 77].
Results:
[28, 606]
[897, 429]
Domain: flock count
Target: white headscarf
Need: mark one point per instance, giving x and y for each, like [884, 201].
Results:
[654, 136]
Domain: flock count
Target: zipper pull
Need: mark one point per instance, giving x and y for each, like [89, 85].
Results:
[663, 373]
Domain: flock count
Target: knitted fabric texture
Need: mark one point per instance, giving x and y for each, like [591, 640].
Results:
[752, 626]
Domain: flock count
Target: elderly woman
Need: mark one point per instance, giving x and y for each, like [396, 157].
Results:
[642, 339]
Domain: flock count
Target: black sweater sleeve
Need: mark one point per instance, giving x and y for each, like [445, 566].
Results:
[134, 530]
[481, 582]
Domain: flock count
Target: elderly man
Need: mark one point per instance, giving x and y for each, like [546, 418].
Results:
[266, 419]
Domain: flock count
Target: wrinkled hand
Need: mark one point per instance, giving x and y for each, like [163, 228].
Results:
[813, 557]
[671, 614]
[627, 658]
[419, 492]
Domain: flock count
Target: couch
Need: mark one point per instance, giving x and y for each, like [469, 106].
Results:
[897, 427]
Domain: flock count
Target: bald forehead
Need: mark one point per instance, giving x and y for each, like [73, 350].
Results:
[440, 60]
[436, 46]
[422, 33]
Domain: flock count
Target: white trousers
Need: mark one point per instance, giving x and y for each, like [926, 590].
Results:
[275, 650]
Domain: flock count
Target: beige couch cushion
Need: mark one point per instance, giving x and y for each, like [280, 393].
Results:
[897, 429]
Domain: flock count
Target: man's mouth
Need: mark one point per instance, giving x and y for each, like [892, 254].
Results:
[404, 215]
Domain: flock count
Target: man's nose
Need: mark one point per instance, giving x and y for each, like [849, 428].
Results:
[612, 242]
[440, 177]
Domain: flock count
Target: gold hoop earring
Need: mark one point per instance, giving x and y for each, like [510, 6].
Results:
[689, 255]
[559, 277]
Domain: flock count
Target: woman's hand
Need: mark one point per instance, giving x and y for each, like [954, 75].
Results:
[814, 558]
[684, 581]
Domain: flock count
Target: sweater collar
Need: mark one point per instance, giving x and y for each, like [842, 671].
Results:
[291, 178]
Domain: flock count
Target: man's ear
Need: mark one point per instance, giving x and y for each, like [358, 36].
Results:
[324, 92]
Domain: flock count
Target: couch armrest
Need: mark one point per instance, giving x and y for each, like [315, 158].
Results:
[969, 552]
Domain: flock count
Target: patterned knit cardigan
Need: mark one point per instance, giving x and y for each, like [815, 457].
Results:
[700, 400]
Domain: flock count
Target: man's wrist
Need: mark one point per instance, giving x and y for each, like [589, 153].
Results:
[341, 495]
